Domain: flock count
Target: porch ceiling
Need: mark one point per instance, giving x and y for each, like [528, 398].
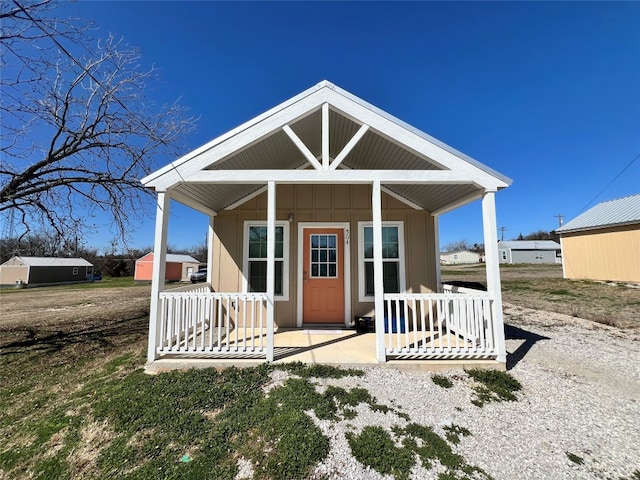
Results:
[384, 146]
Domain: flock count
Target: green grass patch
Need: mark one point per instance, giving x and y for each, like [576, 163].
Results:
[453, 433]
[378, 449]
[442, 381]
[518, 286]
[575, 458]
[493, 385]
[375, 448]
[319, 370]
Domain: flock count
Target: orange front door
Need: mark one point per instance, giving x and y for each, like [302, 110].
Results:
[323, 275]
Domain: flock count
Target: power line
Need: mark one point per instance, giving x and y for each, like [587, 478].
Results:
[609, 184]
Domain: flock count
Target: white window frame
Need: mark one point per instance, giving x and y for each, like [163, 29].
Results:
[401, 258]
[76, 270]
[285, 257]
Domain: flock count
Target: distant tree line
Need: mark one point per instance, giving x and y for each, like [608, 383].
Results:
[113, 262]
[464, 245]
[540, 235]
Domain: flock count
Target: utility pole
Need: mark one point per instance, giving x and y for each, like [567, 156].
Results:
[560, 219]
[502, 229]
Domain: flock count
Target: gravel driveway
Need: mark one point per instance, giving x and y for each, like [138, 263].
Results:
[580, 396]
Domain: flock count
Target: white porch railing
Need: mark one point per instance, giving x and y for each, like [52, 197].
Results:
[205, 322]
[191, 287]
[443, 325]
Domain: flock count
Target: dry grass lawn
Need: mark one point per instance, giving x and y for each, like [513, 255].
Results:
[541, 287]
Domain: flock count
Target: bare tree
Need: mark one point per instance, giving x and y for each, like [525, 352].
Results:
[458, 246]
[77, 130]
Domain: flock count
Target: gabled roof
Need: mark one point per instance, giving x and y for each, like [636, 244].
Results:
[171, 258]
[617, 212]
[52, 261]
[325, 135]
[530, 245]
[455, 252]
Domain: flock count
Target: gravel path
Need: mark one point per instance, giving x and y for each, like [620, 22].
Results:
[581, 396]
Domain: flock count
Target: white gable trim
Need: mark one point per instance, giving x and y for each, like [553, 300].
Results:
[302, 147]
[407, 138]
[349, 146]
[253, 133]
[305, 104]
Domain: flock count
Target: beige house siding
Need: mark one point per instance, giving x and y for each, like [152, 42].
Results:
[12, 271]
[604, 254]
[323, 203]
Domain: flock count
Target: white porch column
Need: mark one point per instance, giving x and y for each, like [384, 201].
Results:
[210, 238]
[494, 287]
[436, 243]
[159, 268]
[378, 281]
[271, 267]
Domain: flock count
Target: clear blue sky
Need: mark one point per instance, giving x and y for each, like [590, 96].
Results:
[546, 93]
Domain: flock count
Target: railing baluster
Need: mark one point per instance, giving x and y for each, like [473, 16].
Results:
[414, 323]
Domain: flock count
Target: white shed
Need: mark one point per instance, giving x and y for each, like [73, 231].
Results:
[458, 258]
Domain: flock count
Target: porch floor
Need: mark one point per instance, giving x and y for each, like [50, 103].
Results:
[338, 347]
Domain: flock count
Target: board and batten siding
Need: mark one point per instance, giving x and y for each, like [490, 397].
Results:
[323, 203]
[611, 254]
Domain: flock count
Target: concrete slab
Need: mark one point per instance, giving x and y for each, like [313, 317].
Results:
[344, 348]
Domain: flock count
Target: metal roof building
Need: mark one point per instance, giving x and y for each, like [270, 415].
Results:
[40, 271]
[603, 242]
[528, 251]
[620, 211]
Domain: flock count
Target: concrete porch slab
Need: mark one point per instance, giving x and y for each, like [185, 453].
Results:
[341, 348]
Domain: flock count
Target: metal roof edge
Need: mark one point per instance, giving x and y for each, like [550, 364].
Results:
[562, 230]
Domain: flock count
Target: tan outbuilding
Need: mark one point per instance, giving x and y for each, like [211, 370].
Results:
[604, 242]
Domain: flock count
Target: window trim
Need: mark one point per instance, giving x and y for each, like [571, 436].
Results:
[361, 260]
[285, 257]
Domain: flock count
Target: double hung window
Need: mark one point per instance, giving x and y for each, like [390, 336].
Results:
[392, 259]
[255, 264]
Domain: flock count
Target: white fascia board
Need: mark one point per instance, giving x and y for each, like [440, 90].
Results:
[387, 177]
[237, 139]
[398, 133]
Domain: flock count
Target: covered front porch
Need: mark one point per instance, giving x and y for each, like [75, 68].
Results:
[321, 211]
[200, 327]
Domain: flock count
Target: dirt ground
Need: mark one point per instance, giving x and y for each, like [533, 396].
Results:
[49, 319]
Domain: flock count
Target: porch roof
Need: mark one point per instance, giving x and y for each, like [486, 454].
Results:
[326, 135]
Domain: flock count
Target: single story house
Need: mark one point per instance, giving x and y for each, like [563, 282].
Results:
[324, 210]
[178, 268]
[603, 243]
[42, 271]
[529, 251]
[458, 258]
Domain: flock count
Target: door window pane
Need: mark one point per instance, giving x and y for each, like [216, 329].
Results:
[324, 253]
